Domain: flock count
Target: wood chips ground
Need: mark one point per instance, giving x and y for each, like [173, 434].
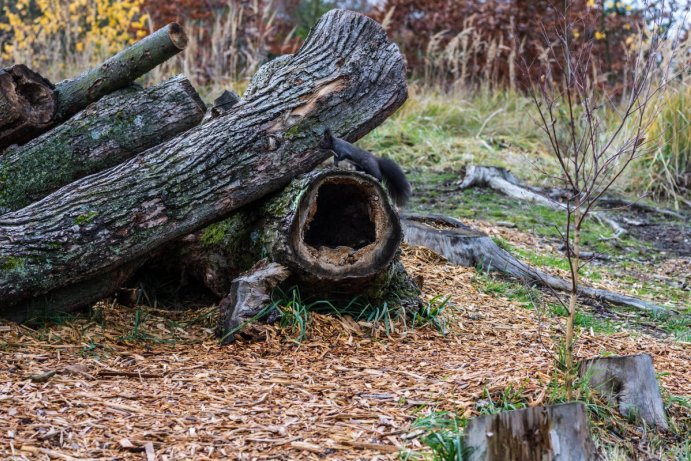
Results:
[101, 389]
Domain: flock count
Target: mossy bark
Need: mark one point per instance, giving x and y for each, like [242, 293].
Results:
[346, 76]
[108, 132]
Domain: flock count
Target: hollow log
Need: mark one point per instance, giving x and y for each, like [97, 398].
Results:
[347, 76]
[554, 433]
[630, 384]
[334, 230]
[27, 105]
[118, 71]
[470, 248]
[106, 133]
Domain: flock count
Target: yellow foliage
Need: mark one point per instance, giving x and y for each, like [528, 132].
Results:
[101, 27]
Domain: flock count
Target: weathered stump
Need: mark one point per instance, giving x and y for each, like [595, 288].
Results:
[27, 105]
[554, 433]
[347, 75]
[106, 133]
[629, 383]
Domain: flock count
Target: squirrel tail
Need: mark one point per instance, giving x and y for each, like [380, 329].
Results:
[396, 182]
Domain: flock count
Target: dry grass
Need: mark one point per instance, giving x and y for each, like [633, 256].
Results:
[165, 384]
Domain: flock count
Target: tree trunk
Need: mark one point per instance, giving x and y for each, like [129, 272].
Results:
[27, 105]
[554, 433]
[118, 71]
[630, 384]
[466, 247]
[108, 132]
[346, 76]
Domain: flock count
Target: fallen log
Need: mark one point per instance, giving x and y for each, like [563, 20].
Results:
[346, 76]
[334, 233]
[27, 105]
[118, 71]
[630, 384]
[554, 433]
[470, 248]
[108, 132]
[501, 180]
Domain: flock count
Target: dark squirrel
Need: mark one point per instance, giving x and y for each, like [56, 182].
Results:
[381, 168]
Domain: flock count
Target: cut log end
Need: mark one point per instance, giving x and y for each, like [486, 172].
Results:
[177, 35]
[345, 228]
[27, 104]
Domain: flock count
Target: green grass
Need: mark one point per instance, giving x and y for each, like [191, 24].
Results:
[521, 294]
[586, 320]
[443, 436]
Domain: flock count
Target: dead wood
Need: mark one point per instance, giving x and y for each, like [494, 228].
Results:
[347, 75]
[466, 247]
[501, 180]
[558, 432]
[27, 105]
[105, 134]
[118, 71]
[630, 384]
[250, 293]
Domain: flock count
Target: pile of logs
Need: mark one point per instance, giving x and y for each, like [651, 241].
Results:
[102, 181]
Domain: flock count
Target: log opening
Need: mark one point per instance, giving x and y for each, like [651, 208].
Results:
[340, 217]
[344, 227]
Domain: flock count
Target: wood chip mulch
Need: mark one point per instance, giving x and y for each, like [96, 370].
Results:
[105, 388]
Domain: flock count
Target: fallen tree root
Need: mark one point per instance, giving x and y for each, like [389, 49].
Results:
[464, 246]
[501, 180]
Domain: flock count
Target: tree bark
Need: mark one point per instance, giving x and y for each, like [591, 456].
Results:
[27, 105]
[108, 132]
[346, 76]
[630, 384]
[554, 433]
[118, 71]
[466, 247]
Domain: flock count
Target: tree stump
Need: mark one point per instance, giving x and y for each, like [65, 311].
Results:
[629, 383]
[554, 433]
[347, 76]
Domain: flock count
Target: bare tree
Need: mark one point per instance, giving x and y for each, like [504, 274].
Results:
[594, 136]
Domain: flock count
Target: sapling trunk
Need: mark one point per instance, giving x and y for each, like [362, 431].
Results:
[574, 261]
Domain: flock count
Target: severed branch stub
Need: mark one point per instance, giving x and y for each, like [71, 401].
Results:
[628, 382]
[553, 433]
[119, 71]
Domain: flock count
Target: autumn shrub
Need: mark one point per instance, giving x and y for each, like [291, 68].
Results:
[505, 42]
[62, 36]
